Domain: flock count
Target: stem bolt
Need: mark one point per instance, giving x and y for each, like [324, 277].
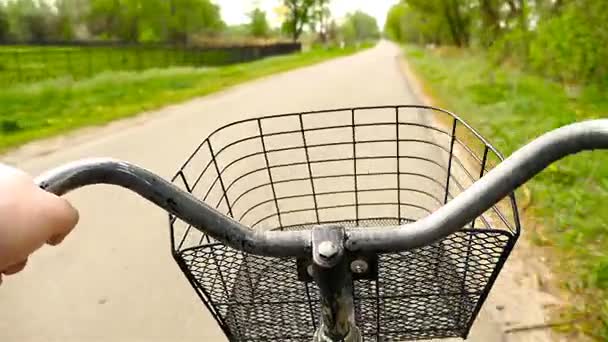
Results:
[327, 250]
[359, 266]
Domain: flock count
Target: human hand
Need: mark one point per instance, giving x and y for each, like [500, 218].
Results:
[29, 218]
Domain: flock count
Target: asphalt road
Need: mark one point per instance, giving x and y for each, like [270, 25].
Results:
[113, 279]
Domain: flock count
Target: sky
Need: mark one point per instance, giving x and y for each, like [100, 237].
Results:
[235, 11]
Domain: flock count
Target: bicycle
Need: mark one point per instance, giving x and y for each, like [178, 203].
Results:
[358, 224]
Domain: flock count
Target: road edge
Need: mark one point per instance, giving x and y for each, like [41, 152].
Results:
[85, 134]
[521, 272]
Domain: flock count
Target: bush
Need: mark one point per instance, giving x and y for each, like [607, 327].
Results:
[9, 126]
[572, 46]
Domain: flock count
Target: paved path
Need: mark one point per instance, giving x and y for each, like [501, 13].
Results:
[114, 279]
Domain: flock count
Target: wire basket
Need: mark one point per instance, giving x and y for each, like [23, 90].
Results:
[373, 166]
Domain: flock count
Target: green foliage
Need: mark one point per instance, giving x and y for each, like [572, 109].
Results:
[321, 22]
[31, 20]
[300, 14]
[572, 46]
[359, 27]
[406, 24]
[39, 21]
[511, 107]
[125, 20]
[512, 45]
[564, 40]
[431, 21]
[195, 16]
[153, 20]
[396, 24]
[258, 26]
[452, 17]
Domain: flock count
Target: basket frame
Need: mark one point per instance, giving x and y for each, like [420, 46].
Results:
[510, 234]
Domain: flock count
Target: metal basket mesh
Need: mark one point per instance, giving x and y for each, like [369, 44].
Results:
[358, 167]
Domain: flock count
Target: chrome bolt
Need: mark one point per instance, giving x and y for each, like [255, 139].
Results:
[309, 270]
[327, 250]
[359, 266]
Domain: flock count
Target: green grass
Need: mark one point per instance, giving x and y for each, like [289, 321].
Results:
[47, 108]
[568, 213]
[26, 64]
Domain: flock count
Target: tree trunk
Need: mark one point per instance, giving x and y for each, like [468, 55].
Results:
[490, 21]
[450, 20]
[295, 20]
[455, 22]
[294, 32]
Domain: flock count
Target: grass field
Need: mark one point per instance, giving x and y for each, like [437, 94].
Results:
[26, 64]
[568, 213]
[33, 111]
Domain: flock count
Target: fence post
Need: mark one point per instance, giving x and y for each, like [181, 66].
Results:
[18, 63]
[109, 58]
[68, 62]
[45, 62]
[166, 51]
[138, 57]
[89, 61]
[124, 57]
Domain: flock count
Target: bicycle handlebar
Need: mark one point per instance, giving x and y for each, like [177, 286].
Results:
[514, 171]
[175, 201]
[474, 201]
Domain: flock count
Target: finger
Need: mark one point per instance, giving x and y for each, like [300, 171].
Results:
[55, 240]
[58, 215]
[15, 268]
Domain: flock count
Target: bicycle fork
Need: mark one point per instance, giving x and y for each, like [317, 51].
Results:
[331, 272]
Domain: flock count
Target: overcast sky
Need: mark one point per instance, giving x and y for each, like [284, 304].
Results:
[235, 11]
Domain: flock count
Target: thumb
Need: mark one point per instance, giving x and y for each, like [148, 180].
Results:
[57, 216]
[29, 217]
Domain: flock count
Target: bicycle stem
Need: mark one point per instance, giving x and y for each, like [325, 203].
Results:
[332, 275]
[474, 201]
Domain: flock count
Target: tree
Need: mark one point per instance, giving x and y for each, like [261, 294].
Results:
[299, 14]
[490, 28]
[105, 18]
[320, 19]
[31, 21]
[258, 27]
[571, 46]
[190, 17]
[458, 18]
[4, 25]
[394, 26]
[68, 13]
[431, 21]
[359, 26]
[16, 12]
[455, 13]
[153, 20]
[332, 31]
